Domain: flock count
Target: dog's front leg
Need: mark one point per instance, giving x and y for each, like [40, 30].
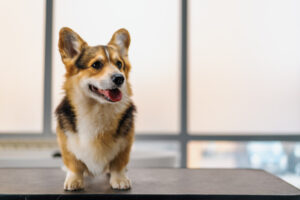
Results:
[75, 168]
[74, 177]
[118, 179]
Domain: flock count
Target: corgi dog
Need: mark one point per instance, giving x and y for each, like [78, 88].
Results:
[95, 128]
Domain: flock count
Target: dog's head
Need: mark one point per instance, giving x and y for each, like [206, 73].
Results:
[101, 72]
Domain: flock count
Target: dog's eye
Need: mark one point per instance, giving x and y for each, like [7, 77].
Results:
[119, 64]
[97, 65]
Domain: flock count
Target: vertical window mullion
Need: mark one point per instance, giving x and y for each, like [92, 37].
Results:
[183, 73]
[48, 69]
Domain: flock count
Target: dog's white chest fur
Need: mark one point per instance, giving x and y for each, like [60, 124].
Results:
[94, 158]
[84, 151]
[91, 123]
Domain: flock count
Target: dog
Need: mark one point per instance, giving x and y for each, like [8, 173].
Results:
[95, 118]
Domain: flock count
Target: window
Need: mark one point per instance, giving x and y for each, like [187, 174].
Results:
[213, 80]
[280, 158]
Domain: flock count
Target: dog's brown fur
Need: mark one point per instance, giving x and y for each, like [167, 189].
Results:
[110, 145]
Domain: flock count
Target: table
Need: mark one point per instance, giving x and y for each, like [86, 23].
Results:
[149, 183]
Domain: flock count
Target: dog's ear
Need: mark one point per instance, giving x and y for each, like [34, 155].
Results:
[70, 44]
[121, 39]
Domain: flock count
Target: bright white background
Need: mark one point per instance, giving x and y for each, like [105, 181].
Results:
[22, 65]
[244, 66]
[244, 61]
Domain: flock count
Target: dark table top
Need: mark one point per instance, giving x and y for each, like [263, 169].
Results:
[150, 184]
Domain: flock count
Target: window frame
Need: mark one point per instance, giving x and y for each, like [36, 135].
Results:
[183, 137]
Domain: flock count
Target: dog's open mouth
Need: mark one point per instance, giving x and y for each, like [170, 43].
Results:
[112, 95]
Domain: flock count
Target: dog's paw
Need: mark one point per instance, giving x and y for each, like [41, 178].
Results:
[120, 183]
[73, 183]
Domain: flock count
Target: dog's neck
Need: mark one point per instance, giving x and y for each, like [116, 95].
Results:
[94, 118]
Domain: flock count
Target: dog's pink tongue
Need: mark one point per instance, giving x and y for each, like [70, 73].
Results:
[114, 95]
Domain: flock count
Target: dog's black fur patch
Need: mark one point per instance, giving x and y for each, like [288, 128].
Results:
[127, 120]
[66, 115]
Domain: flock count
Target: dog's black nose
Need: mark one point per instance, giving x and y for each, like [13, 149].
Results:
[118, 79]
